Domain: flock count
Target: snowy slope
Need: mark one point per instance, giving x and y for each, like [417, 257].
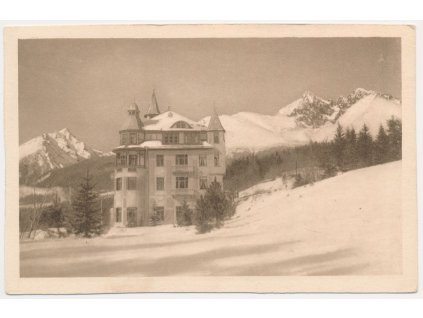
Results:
[308, 118]
[346, 225]
[44, 153]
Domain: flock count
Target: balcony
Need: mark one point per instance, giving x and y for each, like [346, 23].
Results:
[176, 169]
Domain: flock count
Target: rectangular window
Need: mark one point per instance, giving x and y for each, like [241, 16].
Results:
[192, 138]
[203, 183]
[133, 138]
[181, 182]
[132, 160]
[203, 160]
[123, 139]
[159, 210]
[118, 215]
[131, 214]
[203, 136]
[118, 184]
[122, 160]
[159, 183]
[140, 137]
[216, 160]
[141, 159]
[216, 137]
[181, 160]
[171, 138]
[132, 183]
[159, 160]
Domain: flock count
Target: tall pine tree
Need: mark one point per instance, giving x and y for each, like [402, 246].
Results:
[350, 153]
[381, 150]
[395, 138]
[212, 208]
[365, 146]
[339, 146]
[87, 217]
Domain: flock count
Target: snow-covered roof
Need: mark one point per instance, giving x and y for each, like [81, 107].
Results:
[166, 121]
[157, 144]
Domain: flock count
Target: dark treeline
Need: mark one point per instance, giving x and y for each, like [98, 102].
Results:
[348, 150]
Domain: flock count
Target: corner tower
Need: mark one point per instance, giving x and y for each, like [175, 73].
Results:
[131, 131]
[130, 173]
[216, 137]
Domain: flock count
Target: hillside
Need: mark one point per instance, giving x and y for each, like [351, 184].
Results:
[100, 168]
[346, 225]
[50, 151]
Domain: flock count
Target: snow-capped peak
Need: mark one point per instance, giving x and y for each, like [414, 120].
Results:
[310, 117]
[53, 150]
[362, 91]
[309, 96]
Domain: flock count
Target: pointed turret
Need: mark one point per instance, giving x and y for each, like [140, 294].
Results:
[133, 121]
[131, 131]
[214, 123]
[153, 110]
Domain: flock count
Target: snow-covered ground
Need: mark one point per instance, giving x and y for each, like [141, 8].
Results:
[345, 225]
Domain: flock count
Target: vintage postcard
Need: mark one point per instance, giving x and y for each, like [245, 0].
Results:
[210, 158]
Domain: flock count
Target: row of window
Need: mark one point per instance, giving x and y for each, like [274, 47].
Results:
[181, 183]
[131, 183]
[169, 138]
[133, 160]
[132, 214]
[132, 138]
[182, 160]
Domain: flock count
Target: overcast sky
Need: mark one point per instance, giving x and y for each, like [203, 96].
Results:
[86, 85]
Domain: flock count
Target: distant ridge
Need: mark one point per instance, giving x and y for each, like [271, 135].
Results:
[309, 118]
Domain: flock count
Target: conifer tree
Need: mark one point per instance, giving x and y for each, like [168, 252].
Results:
[395, 138]
[202, 215]
[339, 146]
[365, 146]
[186, 215]
[381, 151]
[87, 217]
[350, 153]
[212, 208]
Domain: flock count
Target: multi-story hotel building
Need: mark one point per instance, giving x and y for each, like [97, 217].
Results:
[161, 162]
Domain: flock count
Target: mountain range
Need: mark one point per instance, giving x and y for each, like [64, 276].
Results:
[52, 158]
[50, 151]
[309, 118]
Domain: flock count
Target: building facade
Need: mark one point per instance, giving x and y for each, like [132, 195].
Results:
[162, 161]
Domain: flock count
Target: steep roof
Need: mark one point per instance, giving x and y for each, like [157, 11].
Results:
[133, 121]
[214, 122]
[153, 110]
[167, 120]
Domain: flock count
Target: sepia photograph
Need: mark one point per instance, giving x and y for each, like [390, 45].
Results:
[211, 158]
